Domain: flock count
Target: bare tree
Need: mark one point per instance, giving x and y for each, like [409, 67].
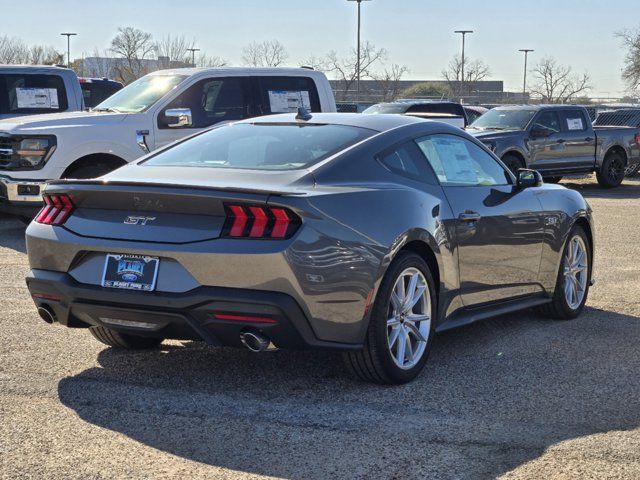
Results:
[557, 83]
[345, 69]
[270, 53]
[389, 81]
[135, 47]
[631, 69]
[176, 49]
[428, 89]
[13, 50]
[474, 71]
[211, 61]
[317, 63]
[45, 55]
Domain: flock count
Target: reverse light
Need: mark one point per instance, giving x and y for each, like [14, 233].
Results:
[56, 210]
[253, 221]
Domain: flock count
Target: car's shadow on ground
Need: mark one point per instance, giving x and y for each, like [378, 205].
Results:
[630, 188]
[493, 396]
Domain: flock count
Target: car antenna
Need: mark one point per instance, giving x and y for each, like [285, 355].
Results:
[303, 114]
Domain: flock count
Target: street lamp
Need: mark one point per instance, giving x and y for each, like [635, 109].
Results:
[193, 55]
[358, 53]
[463, 33]
[68, 35]
[524, 82]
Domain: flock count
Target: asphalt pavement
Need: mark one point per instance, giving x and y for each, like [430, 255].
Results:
[515, 397]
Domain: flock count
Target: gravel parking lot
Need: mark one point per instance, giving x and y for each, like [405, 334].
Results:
[514, 397]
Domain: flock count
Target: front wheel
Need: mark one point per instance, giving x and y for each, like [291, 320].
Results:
[513, 163]
[572, 284]
[401, 327]
[612, 171]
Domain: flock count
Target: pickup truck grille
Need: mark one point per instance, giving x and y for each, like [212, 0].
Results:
[6, 151]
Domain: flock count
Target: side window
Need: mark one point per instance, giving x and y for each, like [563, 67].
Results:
[30, 93]
[407, 160]
[574, 120]
[286, 94]
[548, 119]
[212, 100]
[459, 162]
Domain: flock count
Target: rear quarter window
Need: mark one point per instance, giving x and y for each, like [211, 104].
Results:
[32, 94]
[286, 94]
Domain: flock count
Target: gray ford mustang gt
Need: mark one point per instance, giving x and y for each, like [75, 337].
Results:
[361, 233]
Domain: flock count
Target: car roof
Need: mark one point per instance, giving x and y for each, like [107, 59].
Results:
[34, 68]
[379, 123]
[539, 107]
[238, 71]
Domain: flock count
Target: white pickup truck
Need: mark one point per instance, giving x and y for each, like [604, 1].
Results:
[152, 112]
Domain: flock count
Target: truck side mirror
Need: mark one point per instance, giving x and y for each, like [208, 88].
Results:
[528, 178]
[179, 117]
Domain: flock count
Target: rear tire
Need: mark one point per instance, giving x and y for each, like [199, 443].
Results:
[123, 340]
[612, 171]
[395, 330]
[513, 162]
[562, 306]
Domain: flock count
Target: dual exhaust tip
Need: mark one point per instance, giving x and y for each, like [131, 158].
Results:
[47, 314]
[256, 342]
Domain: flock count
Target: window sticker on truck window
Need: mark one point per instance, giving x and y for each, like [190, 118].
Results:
[37, 98]
[282, 101]
[574, 124]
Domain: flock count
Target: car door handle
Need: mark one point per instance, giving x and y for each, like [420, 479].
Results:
[469, 216]
[561, 140]
[588, 139]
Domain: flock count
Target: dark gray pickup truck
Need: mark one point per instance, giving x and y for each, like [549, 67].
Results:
[558, 140]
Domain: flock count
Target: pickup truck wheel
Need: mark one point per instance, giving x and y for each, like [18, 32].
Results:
[513, 162]
[612, 171]
[552, 179]
[123, 340]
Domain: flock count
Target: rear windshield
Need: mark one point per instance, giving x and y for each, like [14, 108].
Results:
[29, 94]
[261, 146]
[436, 109]
[94, 93]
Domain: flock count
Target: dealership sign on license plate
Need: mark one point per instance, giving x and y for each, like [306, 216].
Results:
[133, 272]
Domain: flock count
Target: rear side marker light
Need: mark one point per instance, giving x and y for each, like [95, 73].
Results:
[253, 221]
[243, 318]
[56, 210]
[46, 296]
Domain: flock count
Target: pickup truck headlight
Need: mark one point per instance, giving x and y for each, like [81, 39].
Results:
[34, 151]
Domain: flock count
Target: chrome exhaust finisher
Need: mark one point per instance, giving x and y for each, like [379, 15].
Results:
[256, 342]
[47, 314]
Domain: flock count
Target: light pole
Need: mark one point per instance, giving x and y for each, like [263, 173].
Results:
[463, 33]
[358, 52]
[524, 82]
[193, 55]
[68, 35]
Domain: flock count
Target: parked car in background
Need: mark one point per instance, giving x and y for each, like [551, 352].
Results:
[558, 140]
[624, 117]
[443, 111]
[148, 114]
[97, 90]
[34, 89]
[365, 234]
[474, 112]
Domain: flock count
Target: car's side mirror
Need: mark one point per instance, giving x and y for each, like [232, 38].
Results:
[179, 117]
[528, 178]
[538, 131]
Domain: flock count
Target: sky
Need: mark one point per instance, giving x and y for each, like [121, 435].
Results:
[416, 33]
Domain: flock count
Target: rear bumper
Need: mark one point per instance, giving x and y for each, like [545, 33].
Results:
[184, 316]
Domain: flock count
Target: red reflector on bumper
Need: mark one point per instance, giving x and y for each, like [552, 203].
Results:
[46, 296]
[243, 318]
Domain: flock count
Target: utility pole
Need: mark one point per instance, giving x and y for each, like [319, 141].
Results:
[193, 55]
[358, 52]
[463, 33]
[524, 82]
[68, 35]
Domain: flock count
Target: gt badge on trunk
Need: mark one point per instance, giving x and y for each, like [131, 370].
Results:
[133, 272]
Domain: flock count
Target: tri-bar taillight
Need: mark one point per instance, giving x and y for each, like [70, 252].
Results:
[259, 221]
[56, 210]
